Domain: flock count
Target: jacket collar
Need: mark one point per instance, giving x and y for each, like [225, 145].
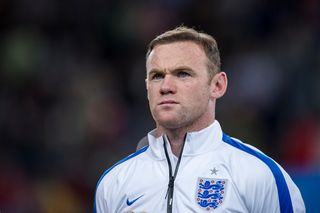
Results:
[197, 142]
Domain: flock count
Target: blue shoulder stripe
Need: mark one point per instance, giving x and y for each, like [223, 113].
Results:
[283, 191]
[118, 163]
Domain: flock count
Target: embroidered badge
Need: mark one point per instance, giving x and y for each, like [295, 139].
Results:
[210, 192]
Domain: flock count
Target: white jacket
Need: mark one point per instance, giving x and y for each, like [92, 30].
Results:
[216, 173]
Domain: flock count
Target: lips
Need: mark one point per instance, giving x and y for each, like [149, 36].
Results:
[165, 102]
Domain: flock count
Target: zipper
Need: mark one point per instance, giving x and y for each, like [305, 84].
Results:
[172, 178]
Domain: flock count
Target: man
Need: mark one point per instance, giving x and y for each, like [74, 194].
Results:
[189, 164]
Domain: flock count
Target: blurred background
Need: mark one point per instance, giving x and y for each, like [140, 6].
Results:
[73, 99]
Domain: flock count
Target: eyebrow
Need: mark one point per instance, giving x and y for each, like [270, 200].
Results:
[154, 71]
[182, 68]
[177, 69]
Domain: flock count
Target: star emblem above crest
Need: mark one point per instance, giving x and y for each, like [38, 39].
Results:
[214, 171]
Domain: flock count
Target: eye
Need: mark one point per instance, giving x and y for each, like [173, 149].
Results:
[183, 74]
[157, 76]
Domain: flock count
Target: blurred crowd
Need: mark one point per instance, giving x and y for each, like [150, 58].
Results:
[73, 99]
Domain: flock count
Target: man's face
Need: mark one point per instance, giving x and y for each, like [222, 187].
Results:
[178, 85]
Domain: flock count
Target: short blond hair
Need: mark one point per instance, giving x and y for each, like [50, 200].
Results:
[182, 33]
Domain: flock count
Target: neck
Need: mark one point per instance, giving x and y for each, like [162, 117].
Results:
[176, 140]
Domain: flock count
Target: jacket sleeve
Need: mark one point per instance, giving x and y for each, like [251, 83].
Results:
[106, 197]
[100, 203]
[261, 192]
[101, 199]
[296, 198]
[269, 193]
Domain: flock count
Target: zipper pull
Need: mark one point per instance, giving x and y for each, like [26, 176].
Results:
[171, 182]
[170, 187]
[170, 194]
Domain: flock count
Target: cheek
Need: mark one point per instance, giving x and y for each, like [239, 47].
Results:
[151, 95]
[200, 97]
[197, 92]
[149, 92]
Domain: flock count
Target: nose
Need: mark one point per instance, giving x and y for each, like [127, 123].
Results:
[168, 85]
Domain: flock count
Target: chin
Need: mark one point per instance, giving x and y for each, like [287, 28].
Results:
[170, 123]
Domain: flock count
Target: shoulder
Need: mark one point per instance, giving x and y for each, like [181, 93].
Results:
[250, 168]
[116, 174]
[261, 176]
[249, 156]
[122, 164]
[112, 180]
[254, 163]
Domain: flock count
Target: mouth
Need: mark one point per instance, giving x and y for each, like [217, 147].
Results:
[168, 102]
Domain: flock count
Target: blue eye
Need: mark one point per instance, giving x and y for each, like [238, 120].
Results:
[157, 76]
[183, 74]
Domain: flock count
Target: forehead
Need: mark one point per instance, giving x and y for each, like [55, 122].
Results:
[168, 56]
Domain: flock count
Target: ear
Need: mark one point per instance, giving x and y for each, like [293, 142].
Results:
[219, 85]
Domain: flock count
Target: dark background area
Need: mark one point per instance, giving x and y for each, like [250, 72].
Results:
[73, 99]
